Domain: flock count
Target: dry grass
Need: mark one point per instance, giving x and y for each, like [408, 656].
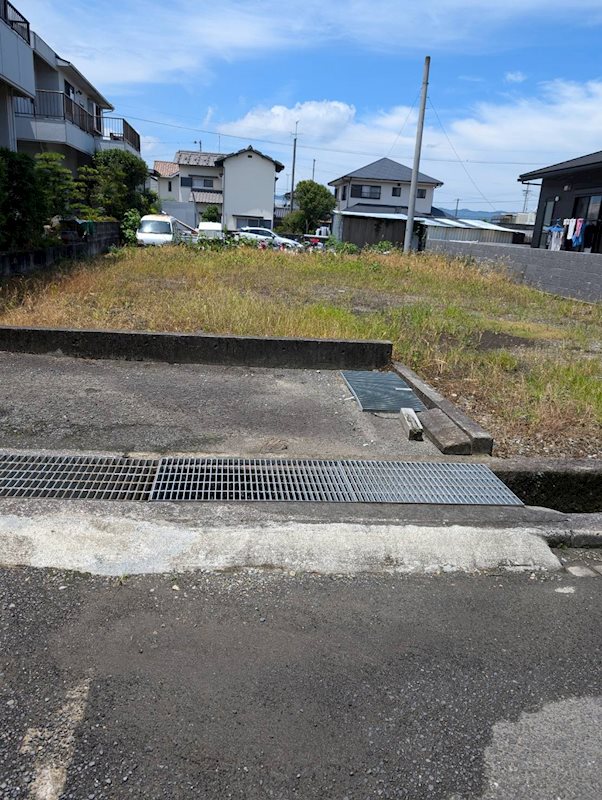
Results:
[526, 364]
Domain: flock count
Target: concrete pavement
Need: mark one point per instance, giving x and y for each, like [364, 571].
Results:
[58, 403]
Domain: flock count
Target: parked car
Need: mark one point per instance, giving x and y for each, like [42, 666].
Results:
[269, 237]
[157, 229]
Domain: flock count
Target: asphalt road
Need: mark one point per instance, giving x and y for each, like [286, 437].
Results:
[269, 685]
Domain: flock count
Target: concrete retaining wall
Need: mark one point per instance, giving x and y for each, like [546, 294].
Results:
[186, 348]
[575, 275]
[105, 234]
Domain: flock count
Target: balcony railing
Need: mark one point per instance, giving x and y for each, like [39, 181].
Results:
[14, 19]
[116, 129]
[58, 105]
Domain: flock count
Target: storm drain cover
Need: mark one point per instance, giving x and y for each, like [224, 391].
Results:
[76, 477]
[308, 480]
[381, 391]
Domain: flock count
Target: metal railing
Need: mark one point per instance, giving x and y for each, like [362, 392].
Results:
[15, 20]
[58, 105]
[117, 129]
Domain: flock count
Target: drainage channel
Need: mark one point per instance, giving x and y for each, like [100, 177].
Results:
[250, 479]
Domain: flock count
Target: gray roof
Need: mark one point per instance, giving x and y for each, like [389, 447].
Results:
[249, 149]
[386, 169]
[195, 158]
[581, 163]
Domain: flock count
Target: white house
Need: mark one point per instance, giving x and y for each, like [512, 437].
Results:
[240, 184]
[372, 202]
[46, 104]
[383, 186]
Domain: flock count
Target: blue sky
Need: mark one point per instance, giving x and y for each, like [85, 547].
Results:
[514, 85]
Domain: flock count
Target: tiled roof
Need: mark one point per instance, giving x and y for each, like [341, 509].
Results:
[207, 197]
[194, 158]
[166, 169]
[279, 166]
[385, 169]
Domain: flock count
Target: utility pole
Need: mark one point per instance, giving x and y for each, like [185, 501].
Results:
[200, 144]
[293, 170]
[407, 242]
[457, 204]
[526, 193]
[313, 170]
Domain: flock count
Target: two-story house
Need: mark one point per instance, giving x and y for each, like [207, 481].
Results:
[372, 202]
[240, 184]
[47, 105]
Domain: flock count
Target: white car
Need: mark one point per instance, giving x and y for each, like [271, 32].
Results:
[157, 229]
[268, 236]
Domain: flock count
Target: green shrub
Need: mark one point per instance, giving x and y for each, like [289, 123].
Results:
[129, 225]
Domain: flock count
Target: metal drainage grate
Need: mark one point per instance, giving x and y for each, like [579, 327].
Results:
[381, 391]
[231, 479]
[76, 477]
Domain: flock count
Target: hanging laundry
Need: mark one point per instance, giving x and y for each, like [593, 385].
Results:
[578, 235]
[555, 236]
[572, 224]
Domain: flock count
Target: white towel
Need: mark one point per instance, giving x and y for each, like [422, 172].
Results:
[572, 223]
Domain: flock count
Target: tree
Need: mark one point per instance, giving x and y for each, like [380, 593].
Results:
[21, 207]
[55, 184]
[212, 214]
[293, 223]
[316, 203]
[113, 185]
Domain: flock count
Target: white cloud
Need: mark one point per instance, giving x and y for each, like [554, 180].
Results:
[322, 118]
[521, 133]
[515, 77]
[133, 42]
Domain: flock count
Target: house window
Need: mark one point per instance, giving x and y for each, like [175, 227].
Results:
[200, 182]
[421, 194]
[396, 191]
[253, 222]
[69, 90]
[336, 193]
[169, 186]
[344, 193]
[365, 191]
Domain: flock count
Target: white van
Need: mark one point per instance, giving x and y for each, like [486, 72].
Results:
[210, 230]
[157, 229]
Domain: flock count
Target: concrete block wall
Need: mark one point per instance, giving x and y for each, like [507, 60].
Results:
[105, 234]
[574, 275]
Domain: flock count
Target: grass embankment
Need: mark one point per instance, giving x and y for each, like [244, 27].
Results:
[526, 364]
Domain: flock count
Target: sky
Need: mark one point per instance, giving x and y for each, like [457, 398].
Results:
[514, 85]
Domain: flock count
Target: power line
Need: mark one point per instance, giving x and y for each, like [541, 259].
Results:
[468, 175]
[407, 119]
[337, 149]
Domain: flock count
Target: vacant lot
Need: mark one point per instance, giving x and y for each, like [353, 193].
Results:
[527, 365]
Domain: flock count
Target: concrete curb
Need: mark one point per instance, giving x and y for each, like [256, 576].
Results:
[118, 545]
[190, 348]
[481, 441]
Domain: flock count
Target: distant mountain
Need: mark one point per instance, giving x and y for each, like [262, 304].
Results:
[467, 213]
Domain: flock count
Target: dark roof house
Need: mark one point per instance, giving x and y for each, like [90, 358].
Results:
[385, 169]
[570, 190]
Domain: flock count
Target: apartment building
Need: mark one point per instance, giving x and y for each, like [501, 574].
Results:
[47, 105]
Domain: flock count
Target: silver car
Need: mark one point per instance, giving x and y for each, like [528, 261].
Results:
[269, 237]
